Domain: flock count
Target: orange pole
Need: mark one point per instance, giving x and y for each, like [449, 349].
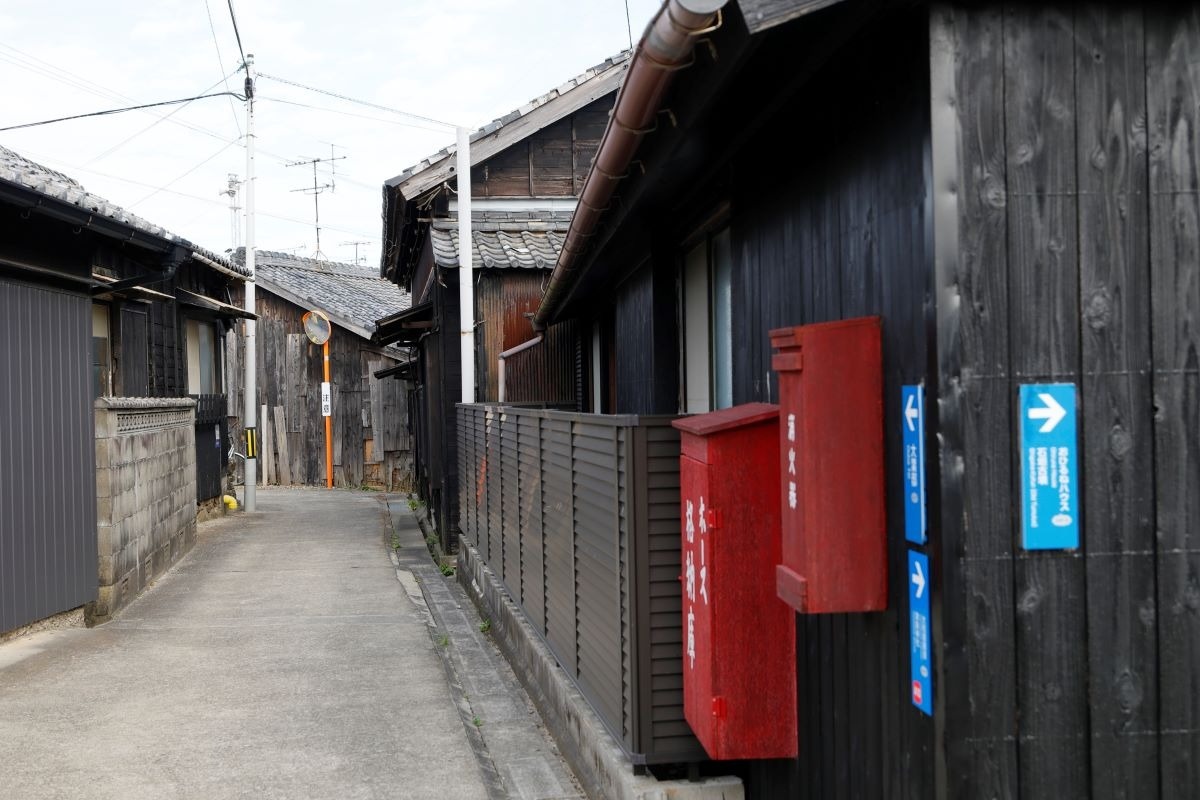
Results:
[328, 426]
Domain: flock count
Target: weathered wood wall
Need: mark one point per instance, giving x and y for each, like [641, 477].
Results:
[371, 445]
[1073, 204]
[503, 299]
[553, 162]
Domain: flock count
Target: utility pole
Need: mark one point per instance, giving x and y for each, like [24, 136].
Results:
[250, 407]
[315, 190]
[233, 191]
[356, 244]
[466, 281]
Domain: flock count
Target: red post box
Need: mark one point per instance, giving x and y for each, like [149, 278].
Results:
[739, 661]
[831, 457]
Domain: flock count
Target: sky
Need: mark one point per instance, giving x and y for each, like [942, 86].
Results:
[463, 62]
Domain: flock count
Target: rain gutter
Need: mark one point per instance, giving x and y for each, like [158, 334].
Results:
[664, 49]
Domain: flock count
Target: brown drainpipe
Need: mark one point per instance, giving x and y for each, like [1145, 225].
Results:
[665, 47]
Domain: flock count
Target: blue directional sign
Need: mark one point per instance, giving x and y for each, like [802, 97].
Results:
[1049, 467]
[918, 606]
[912, 408]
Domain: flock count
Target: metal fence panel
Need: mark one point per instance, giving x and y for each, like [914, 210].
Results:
[529, 481]
[583, 519]
[559, 533]
[47, 454]
[510, 533]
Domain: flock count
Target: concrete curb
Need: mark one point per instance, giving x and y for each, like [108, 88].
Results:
[598, 761]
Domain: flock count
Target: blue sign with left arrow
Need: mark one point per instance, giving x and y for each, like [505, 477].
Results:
[1049, 467]
[919, 641]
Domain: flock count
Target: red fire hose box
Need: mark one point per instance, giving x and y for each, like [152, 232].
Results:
[831, 463]
[739, 638]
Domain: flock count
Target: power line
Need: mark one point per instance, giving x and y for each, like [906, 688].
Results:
[164, 118]
[221, 65]
[185, 174]
[349, 99]
[350, 114]
[64, 166]
[118, 110]
[79, 82]
[236, 33]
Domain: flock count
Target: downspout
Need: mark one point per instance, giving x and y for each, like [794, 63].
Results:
[512, 351]
[665, 48]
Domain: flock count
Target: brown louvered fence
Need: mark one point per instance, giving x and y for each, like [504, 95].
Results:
[578, 515]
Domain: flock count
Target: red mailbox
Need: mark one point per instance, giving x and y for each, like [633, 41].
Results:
[739, 661]
[831, 457]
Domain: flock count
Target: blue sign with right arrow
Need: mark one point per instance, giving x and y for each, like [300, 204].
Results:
[1049, 467]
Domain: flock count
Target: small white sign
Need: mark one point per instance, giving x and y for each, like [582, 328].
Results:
[326, 400]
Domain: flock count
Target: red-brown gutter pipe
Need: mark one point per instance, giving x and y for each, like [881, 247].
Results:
[665, 48]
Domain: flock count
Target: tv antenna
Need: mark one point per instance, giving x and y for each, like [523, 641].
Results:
[233, 190]
[356, 244]
[317, 188]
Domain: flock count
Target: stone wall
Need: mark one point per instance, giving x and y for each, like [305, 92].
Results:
[145, 493]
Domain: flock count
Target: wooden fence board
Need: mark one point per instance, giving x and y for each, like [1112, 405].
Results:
[1044, 339]
[281, 445]
[1173, 110]
[1117, 435]
[266, 447]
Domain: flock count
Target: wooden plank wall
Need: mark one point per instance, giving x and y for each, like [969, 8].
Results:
[1078, 226]
[544, 374]
[370, 435]
[841, 234]
[553, 162]
[1172, 38]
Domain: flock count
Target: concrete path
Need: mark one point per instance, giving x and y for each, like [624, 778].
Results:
[280, 659]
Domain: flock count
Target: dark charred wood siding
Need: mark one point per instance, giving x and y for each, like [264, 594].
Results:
[1072, 206]
[842, 235]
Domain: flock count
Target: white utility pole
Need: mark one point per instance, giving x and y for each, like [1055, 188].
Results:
[250, 407]
[466, 282]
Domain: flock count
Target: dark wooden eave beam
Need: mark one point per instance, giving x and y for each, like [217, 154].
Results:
[176, 256]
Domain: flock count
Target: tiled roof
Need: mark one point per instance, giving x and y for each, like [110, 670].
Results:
[20, 171]
[515, 241]
[608, 71]
[353, 297]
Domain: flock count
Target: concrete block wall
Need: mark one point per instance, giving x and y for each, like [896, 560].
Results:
[145, 493]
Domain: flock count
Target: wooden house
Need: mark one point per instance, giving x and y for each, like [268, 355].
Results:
[95, 302]
[370, 435]
[1012, 190]
[526, 171]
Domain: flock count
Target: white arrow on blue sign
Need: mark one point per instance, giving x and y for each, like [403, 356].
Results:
[912, 425]
[1049, 467]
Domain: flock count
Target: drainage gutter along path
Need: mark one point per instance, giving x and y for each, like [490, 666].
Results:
[280, 659]
[515, 752]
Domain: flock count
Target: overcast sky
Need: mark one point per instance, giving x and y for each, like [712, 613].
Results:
[462, 61]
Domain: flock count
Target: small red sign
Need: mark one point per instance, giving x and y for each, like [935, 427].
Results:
[917, 692]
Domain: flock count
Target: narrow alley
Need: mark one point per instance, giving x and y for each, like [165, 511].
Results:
[281, 658]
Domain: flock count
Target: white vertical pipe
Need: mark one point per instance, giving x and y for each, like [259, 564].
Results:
[466, 282]
[250, 407]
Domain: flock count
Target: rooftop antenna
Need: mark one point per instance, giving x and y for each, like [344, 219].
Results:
[233, 190]
[315, 190]
[356, 258]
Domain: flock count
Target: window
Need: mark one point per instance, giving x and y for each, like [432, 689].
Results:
[202, 358]
[707, 339]
[101, 352]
